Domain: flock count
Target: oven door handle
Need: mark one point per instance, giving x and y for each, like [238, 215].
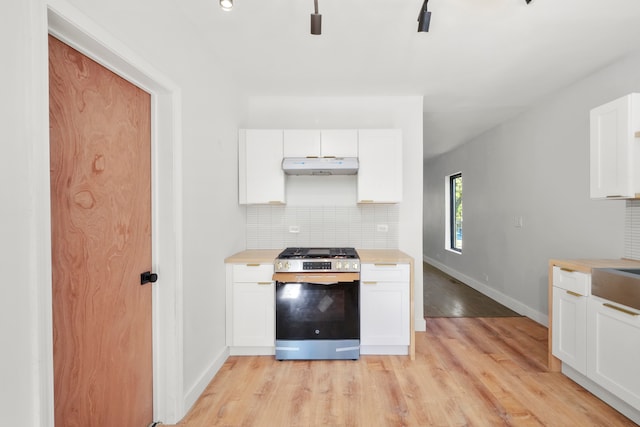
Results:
[317, 279]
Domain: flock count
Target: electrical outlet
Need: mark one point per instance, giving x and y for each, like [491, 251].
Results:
[383, 228]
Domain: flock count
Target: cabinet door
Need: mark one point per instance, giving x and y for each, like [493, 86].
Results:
[385, 305]
[612, 149]
[261, 179]
[380, 173]
[613, 346]
[570, 328]
[339, 143]
[301, 143]
[254, 314]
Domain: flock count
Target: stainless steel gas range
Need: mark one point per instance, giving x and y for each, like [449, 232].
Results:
[317, 303]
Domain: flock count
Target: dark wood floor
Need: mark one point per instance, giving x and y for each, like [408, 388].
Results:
[468, 372]
[445, 296]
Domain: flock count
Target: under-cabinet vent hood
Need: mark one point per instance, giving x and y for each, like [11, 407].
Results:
[320, 165]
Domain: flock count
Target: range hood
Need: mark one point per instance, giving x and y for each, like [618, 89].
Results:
[320, 165]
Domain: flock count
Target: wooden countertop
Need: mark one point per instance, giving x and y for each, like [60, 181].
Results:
[586, 265]
[383, 255]
[251, 256]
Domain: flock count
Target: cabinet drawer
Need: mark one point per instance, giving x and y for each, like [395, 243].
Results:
[385, 272]
[572, 281]
[252, 273]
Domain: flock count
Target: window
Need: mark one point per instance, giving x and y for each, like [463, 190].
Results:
[454, 212]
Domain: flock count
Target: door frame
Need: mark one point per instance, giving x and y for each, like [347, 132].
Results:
[65, 22]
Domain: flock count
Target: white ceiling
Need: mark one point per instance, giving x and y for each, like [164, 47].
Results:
[481, 63]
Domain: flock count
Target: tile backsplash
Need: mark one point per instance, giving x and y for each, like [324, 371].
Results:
[632, 230]
[359, 226]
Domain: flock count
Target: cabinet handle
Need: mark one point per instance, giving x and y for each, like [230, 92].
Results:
[614, 196]
[568, 270]
[264, 283]
[253, 265]
[629, 312]
[369, 283]
[275, 202]
[575, 294]
[385, 264]
[365, 201]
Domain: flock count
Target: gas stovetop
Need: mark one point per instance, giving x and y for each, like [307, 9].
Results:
[317, 260]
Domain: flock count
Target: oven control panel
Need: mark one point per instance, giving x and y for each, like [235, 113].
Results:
[324, 265]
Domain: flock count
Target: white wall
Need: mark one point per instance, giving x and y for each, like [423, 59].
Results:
[535, 166]
[404, 112]
[213, 224]
[18, 367]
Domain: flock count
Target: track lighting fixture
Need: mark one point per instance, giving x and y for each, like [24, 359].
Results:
[528, 1]
[316, 20]
[424, 18]
[226, 4]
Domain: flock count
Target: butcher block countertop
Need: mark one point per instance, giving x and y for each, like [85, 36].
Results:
[253, 256]
[369, 256]
[586, 265]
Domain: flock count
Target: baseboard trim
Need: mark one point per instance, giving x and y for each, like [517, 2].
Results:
[503, 299]
[194, 393]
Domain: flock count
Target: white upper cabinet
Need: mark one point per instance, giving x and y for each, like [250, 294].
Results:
[320, 143]
[301, 143]
[339, 143]
[261, 179]
[380, 173]
[615, 149]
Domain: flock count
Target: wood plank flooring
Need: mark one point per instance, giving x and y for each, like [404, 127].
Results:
[467, 372]
[445, 296]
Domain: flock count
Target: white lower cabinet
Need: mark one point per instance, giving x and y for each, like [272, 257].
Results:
[385, 309]
[613, 347]
[570, 293]
[250, 309]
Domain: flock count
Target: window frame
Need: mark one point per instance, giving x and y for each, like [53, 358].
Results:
[450, 219]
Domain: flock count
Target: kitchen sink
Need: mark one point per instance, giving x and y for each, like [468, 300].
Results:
[620, 285]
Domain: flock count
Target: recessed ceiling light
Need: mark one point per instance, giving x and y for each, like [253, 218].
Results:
[226, 4]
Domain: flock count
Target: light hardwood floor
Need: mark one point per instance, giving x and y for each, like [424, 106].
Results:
[467, 372]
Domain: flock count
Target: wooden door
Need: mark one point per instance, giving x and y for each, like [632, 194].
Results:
[101, 243]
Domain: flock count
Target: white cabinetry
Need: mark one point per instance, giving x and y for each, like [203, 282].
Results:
[261, 179]
[615, 149]
[339, 143]
[250, 309]
[613, 345]
[385, 309]
[320, 143]
[570, 292]
[380, 173]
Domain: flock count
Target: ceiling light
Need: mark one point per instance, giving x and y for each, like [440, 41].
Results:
[316, 20]
[424, 18]
[528, 1]
[226, 4]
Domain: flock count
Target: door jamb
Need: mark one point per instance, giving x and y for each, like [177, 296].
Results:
[59, 18]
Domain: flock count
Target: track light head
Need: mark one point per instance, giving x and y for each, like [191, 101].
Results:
[316, 24]
[316, 20]
[226, 4]
[424, 18]
[528, 1]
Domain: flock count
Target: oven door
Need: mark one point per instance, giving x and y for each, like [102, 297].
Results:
[317, 313]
